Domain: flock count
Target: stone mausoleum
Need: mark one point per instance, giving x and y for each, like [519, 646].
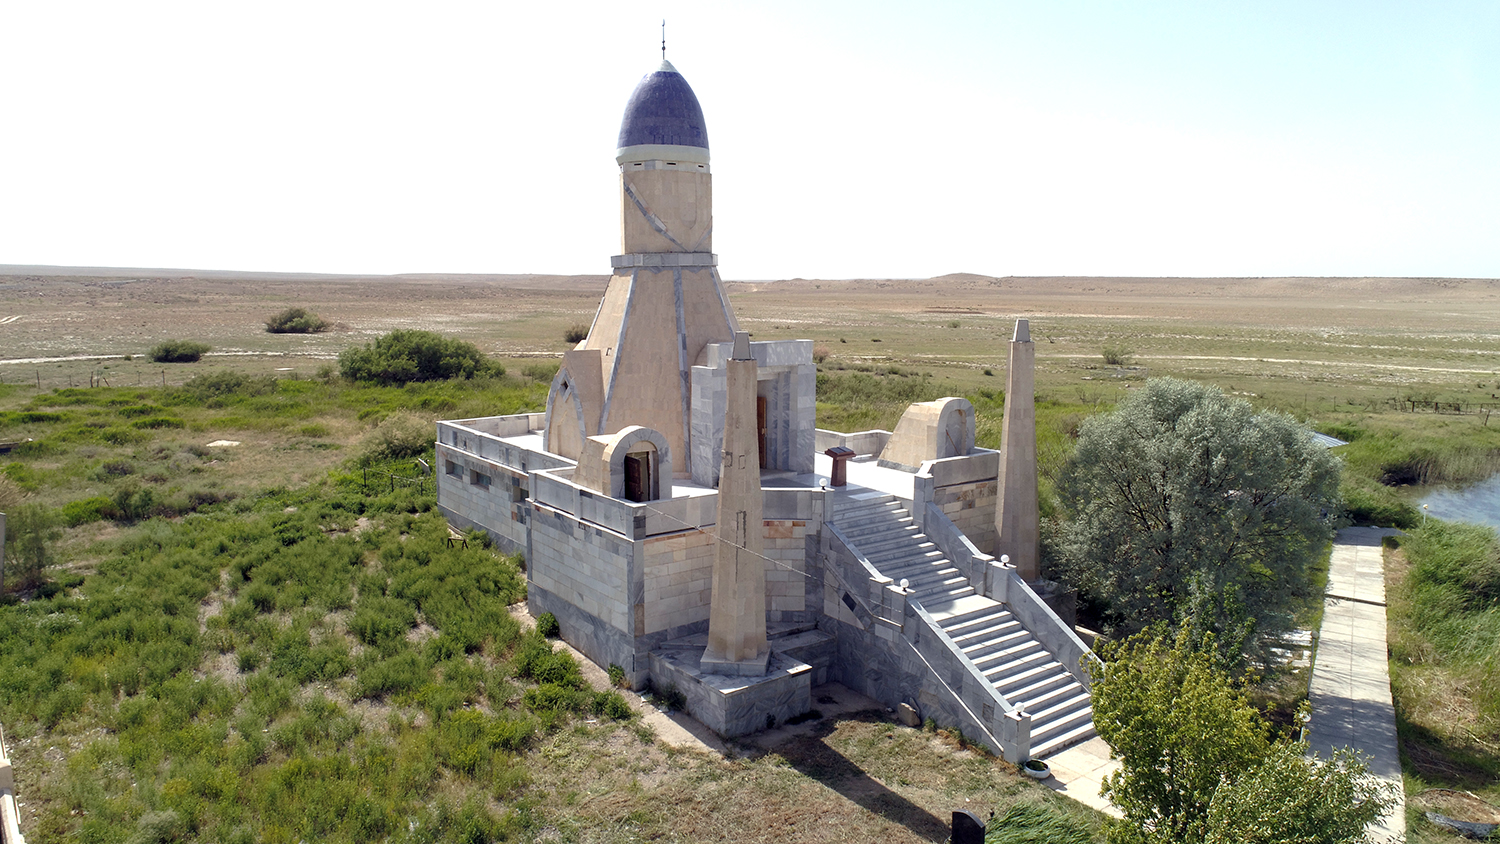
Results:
[684, 518]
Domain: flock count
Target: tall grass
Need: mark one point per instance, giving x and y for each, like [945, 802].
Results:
[217, 677]
[1418, 458]
[1038, 823]
[1445, 653]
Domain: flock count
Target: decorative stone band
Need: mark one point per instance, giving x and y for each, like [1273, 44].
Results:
[664, 259]
[658, 164]
[672, 153]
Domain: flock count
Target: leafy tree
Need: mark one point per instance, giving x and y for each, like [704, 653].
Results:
[296, 321]
[1292, 797]
[1198, 764]
[409, 355]
[1188, 506]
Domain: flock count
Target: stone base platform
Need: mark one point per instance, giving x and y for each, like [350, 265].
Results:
[735, 706]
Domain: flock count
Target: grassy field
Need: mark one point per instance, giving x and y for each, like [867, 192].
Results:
[280, 628]
[224, 653]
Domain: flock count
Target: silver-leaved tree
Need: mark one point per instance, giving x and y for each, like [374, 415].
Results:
[1189, 507]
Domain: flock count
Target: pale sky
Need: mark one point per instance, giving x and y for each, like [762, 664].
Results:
[849, 139]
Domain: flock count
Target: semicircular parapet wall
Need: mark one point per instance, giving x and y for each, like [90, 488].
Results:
[930, 430]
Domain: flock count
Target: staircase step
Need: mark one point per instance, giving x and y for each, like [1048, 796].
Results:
[860, 508]
[912, 558]
[1060, 723]
[943, 597]
[924, 577]
[873, 519]
[1036, 683]
[1030, 670]
[1019, 650]
[896, 564]
[1065, 706]
[893, 543]
[937, 578]
[969, 620]
[1074, 736]
[1053, 698]
[984, 630]
[927, 571]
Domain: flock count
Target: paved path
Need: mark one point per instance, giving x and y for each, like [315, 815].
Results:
[1351, 687]
[1079, 771]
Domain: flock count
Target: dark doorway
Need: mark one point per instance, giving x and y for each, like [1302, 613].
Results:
[760, 427]
[638, 477]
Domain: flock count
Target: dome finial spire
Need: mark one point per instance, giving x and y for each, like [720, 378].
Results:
[663, 39]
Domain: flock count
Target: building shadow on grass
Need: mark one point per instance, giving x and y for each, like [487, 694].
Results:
[811, 755]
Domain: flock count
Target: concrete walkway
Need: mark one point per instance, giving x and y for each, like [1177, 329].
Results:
[1351, 687]
[1078, 772]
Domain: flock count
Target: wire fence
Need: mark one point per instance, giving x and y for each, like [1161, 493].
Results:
[376, 481]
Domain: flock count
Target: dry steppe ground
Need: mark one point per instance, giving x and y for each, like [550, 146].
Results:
[1371, 334]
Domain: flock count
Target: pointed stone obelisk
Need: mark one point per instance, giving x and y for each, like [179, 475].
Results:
[737, 610]
[1017, 521]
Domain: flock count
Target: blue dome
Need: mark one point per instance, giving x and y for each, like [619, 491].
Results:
[663, 110]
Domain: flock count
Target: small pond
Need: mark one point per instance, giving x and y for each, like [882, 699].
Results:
[1478, 503]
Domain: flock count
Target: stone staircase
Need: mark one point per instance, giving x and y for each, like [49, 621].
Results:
[999, 646]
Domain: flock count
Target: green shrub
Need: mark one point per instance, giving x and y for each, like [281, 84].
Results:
[553, 698]
[131, 411]
[616, 676]
[86, 510]
[159, 827]
[221, 385]
[404, 356]
[543, 372]
[1116, 355]
[546, 624]
[296, 321]
[611, 705]
[536, 659]
[672, 696]
[400, 436]
[30, 531]
[397, 675]
[122, 436]
[154, 422]
[248, 660]
[576, 333]
[178, 351]
[380, 620]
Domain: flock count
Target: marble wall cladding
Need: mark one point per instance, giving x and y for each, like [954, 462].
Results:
[786, 567]
[678, 579]
[583, 564]
[498, 506]
[787, 379]
[598, 640]
[736, 706]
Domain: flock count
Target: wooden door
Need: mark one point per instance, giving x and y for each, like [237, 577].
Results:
[760, 427]
[636, 480]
